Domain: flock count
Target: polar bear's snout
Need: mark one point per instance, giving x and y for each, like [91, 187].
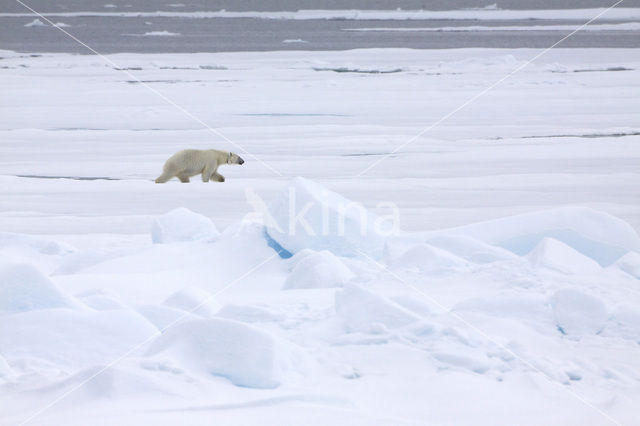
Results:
[234, 159]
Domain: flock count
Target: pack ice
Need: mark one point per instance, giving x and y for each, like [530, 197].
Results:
[518, 309]
[310, 216]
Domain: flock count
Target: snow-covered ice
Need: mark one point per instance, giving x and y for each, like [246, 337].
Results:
[318, 269]
[182, 225]
[509, 288]
[615, 14]
[309, 216]
[242, 353]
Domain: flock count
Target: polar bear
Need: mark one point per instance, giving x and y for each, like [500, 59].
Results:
[190, 162]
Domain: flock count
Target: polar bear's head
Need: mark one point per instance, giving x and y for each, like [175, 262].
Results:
[234, 159]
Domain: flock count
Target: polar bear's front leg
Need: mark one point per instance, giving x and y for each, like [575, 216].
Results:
[209, 171]
[217, 177]
[183, 178]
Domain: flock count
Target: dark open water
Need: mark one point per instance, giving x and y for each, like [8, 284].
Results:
[118, 34]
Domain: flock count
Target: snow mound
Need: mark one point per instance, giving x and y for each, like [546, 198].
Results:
[470, 249]
[598, 235]
[308, 215]
[318, 270]
[193, 300]
[9, 240]
[163, 316]
[410, 302]
[625, 323]
[35, 23]
[246, 313]
[182, 225]
[293, 261]
[531, 308]
[161, 34]
[73, 339]
[553, 254]
[5, 370]
[630, 263]
[427, 259]
[239, 352]
[363, 310]
[95, 382]
[80, 260]
[24, 288]
[577, 313]
[100, 300]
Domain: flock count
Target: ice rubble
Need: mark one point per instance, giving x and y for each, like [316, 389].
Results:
[100, 300]
[317, 270]
[598, 235]
[468, 248]
[577, 313]
[427, 259]
[249, 314]
[182, 224]
[363, 310]
[164, 316]
[5, 370]
[553, 254]
[94, 327]
[310, 216]
[245, 355]
[24, 288]
[624, 323]
[193, 300]
[9, 240]
[46, 253]
[72, 338]
[630, 263]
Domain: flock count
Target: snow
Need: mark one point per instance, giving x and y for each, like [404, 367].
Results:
[427, 259]
[249, 314]
[159, 33]
[509, 287]
[163, 316]
[627, 26]
[193, 300]
[67, 340]
[241, 353]
[308, 215]
[19, 248]
[618, 13]
[317, 270]
[24, 288]
[362, 310]
[182, 225]
[470, 249]
[577, 313]
[551, 253]
[630, 263]
[35, 23]
[595, 234]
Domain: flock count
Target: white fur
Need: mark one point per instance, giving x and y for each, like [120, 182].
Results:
[190, 162]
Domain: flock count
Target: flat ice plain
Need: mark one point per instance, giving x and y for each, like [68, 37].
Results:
[510, 296]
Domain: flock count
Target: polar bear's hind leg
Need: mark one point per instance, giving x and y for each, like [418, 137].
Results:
[164, 177]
